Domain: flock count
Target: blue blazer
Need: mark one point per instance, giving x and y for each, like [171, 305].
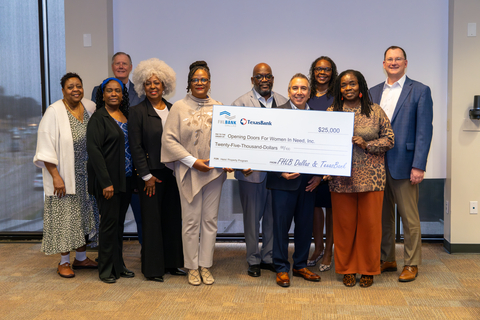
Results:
[133, 97]
[412, 126]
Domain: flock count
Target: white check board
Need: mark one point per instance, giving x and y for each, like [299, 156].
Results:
[282, 140]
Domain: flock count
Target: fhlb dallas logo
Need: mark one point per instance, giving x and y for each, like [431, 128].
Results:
[229, 119]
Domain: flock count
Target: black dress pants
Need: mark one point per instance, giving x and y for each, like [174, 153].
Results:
[112, 219]
[161, 225]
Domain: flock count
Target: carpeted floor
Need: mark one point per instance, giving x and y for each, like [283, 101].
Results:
[448, 287]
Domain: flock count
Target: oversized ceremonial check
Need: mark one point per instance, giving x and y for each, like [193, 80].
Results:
[283, 140]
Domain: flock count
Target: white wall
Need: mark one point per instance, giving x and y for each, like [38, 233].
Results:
[93, 63]
[233, 36]
[463, 156]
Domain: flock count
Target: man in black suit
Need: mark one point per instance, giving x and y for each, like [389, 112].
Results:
[293, 198]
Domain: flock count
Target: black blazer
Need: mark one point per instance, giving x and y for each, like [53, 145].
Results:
[145, 136]
[106, 154]
[275, 179]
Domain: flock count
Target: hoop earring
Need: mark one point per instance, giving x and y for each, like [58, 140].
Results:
[360, 95]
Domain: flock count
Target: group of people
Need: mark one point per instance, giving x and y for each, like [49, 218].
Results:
[95, 154]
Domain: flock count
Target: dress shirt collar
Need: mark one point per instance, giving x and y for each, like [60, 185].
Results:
[400, 83]
[295, 107]
[267, 103]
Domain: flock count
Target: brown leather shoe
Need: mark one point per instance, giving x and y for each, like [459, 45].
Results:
[349, 280]
[408, 274]
[283, 280]
[388, 266]
[85, 264]
[366, 281]
[65, 271]
[306, 274]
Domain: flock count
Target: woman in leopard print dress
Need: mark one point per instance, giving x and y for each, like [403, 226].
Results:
[357, 200]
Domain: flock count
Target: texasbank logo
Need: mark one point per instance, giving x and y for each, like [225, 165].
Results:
[229, 119]
[244, 122]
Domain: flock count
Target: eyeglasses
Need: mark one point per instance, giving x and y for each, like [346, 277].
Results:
[320, 69]
[260, 77]
[202, 81]
[397, 60]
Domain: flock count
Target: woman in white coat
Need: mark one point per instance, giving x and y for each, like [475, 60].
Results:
[70, 213]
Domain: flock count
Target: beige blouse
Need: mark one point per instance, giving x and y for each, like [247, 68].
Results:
[187, 132]
[368, 166]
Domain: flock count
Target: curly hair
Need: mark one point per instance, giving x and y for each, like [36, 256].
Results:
[366, 102]
[196, 66]
[154, 67]
[67, 76]
[124, 105]
[313, 82]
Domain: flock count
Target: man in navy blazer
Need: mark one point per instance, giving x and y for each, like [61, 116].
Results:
[256, 199]
[121, 67]
[293, 198]
[409, 106]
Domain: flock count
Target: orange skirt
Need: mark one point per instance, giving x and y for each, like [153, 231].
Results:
[357, 232]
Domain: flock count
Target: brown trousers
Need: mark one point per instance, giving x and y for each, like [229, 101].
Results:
[357, 232]
[405, 195]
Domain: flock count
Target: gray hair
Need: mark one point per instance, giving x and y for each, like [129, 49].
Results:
[301, 76]
[153, 67]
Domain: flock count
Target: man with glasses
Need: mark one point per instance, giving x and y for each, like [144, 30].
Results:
[409, 106]
[255, 198]
[121, 67]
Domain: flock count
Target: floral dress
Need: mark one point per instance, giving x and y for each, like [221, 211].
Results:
[67, 220]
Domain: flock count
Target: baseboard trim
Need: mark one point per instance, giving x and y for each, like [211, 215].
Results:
[460, 247]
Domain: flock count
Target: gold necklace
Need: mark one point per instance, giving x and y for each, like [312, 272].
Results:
[78, 117]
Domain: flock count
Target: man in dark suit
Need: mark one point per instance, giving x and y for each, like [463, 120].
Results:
[409, 106]
[121, 67]
[256, 199]
[293, 198]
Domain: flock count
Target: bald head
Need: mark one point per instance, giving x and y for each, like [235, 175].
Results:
[262, 80]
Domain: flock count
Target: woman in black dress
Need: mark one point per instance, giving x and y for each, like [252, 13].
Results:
[323, 73]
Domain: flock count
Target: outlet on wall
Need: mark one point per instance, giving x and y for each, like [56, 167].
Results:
[473, 207]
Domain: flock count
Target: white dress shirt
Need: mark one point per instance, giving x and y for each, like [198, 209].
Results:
[295, 107]
[390, 96]
[267, 103]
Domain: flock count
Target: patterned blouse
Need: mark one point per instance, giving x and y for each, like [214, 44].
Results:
[368, 166]
[128, 154]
